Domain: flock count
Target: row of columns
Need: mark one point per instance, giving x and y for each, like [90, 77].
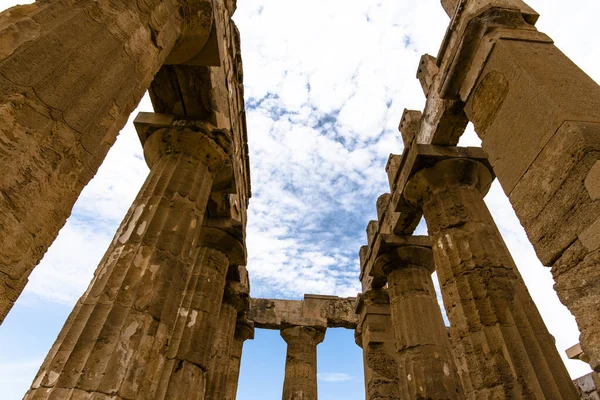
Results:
[63, 102]
[159, 318]
[500, 347]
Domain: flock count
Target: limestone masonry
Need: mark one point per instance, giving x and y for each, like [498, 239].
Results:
[169, 308]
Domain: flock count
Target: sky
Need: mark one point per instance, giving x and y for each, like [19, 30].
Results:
[326, 82]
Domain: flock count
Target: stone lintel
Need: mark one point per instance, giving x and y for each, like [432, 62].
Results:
[390, 222]
[576, 353]
[313, 311]
[471, 36]
[392, 168]
[410, 125]
[372, 229]
[420, 156]
[427, 72]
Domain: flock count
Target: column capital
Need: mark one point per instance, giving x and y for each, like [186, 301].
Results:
[447, 173]
[225, 242]
[244, 329]
[406, 248]
[162, 134]
[426, 166]
[306, 334]
[236, 294]
[197, 24]
[400, 257]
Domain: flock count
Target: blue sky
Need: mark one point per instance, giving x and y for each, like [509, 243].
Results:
[325, 83]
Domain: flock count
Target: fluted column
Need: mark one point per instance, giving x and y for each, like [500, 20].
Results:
[524, 98]
[375, 335]
[114, 344]
[71, 72]
[501, 343]
[244, 330]
[426, 368]
[300, 380]
[235, 300]
[190, 349]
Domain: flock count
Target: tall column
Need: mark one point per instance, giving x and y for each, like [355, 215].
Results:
[186, 369]
[501, 343]
[244, 330]
[375, 335]
[425, 363]
[114, 343]
[301, 362]
[523, 96]
[71, 72]
[235, 300]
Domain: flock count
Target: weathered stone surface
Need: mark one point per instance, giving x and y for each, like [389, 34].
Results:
[244, 330]
[375, 335]
[315, 310]
[62, 104]
[502, 346]
[443, 121]
[301, 362]
[118, 339]
[213, 93]
[426, 368]
[523, 96]
[588, 386]
[195, 333]
[409, 126]
[235, 301]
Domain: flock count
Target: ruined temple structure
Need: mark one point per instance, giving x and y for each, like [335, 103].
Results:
[168, 310]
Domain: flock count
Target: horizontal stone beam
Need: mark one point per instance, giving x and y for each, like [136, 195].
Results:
[314, 310]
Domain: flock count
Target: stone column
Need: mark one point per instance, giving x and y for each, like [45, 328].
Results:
[70, 75]
[244, 330]
[502, 346]
[190, 349]
[426, 368]
[235, 300]
[301, 362]
[375, 335]
[114, 344]
[523, 96]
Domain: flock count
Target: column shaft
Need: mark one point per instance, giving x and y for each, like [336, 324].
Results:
[233, 303]
[70, 75]
[375, 335]
[114, 343]
[188, 356]
[301, 362]
[502, 346]
[426, 365]
[244, 331]
[542, 138]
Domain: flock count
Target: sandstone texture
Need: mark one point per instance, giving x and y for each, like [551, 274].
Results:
[168, 311]
[375, 335]
[300, 380]
[501, 344]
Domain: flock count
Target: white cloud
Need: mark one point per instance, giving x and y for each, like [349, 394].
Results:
[333, 377]
[326, 83]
